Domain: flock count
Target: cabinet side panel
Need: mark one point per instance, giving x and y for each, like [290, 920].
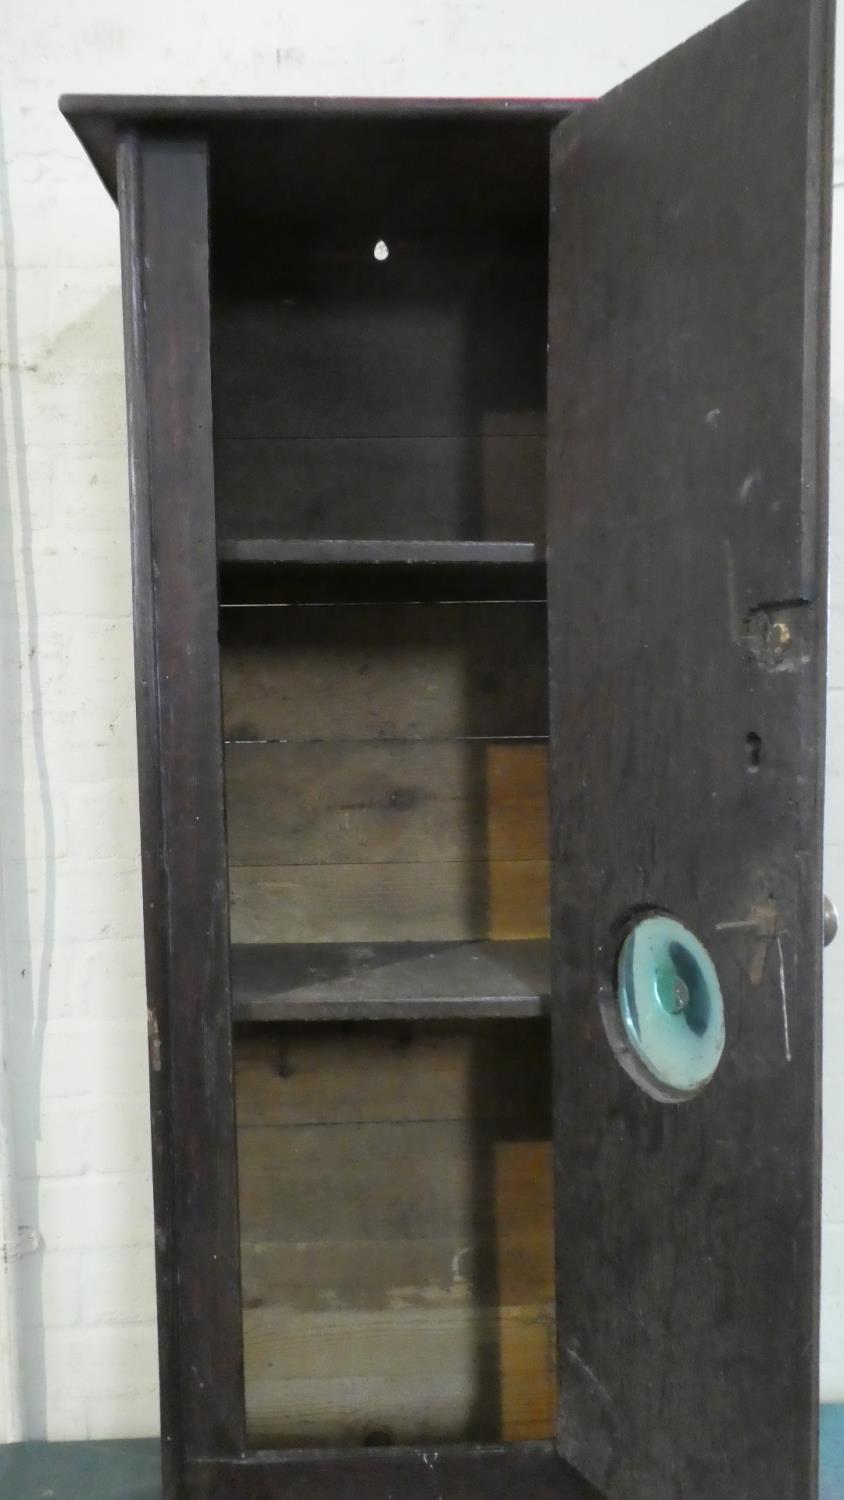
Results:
[164, 224]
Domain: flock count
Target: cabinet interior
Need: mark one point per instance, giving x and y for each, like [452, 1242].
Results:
[397, 1253]
[378, 358]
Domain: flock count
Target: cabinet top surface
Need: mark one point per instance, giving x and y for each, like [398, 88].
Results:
[98, 119]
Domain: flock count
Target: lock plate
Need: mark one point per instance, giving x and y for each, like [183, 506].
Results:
[670, 1009]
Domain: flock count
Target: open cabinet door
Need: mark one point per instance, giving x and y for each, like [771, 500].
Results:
[687, 408]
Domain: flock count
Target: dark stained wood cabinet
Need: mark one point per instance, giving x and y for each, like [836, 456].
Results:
[478, 467]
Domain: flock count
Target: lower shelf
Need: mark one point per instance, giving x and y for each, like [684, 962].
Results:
[389, 981]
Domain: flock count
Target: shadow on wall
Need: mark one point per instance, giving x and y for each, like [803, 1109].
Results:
[66, 684]
[23, 986]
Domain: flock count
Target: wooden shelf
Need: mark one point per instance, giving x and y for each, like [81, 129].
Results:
[268, 570]
[389, 981]
[355, 552]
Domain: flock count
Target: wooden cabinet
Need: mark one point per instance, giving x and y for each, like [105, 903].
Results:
[478, 468]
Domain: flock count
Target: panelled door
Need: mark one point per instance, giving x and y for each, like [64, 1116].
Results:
[687, 408]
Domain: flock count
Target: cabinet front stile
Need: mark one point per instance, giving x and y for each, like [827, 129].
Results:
[163, 199]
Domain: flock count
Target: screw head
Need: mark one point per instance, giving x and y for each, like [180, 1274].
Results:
[671, 991]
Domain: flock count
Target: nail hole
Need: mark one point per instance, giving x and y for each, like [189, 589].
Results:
[381, 250]
[754, 751]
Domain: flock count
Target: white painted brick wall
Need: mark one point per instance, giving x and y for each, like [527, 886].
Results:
[72, 978]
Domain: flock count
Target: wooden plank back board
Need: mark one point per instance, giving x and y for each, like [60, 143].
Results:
[396, 1232]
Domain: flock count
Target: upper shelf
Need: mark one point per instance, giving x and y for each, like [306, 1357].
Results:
[275, 570]
[377, 550]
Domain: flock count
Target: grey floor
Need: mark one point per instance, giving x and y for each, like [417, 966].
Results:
[130, 1470]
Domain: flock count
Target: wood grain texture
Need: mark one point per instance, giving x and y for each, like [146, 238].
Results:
[164, 228]
[297, 1075]
[382, 903]
[399, 671]
[419, 1272]
[382, 835]
[347, 1182]
[376, 803]
[687, 388]
[524, 1205]
[397, 1233]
